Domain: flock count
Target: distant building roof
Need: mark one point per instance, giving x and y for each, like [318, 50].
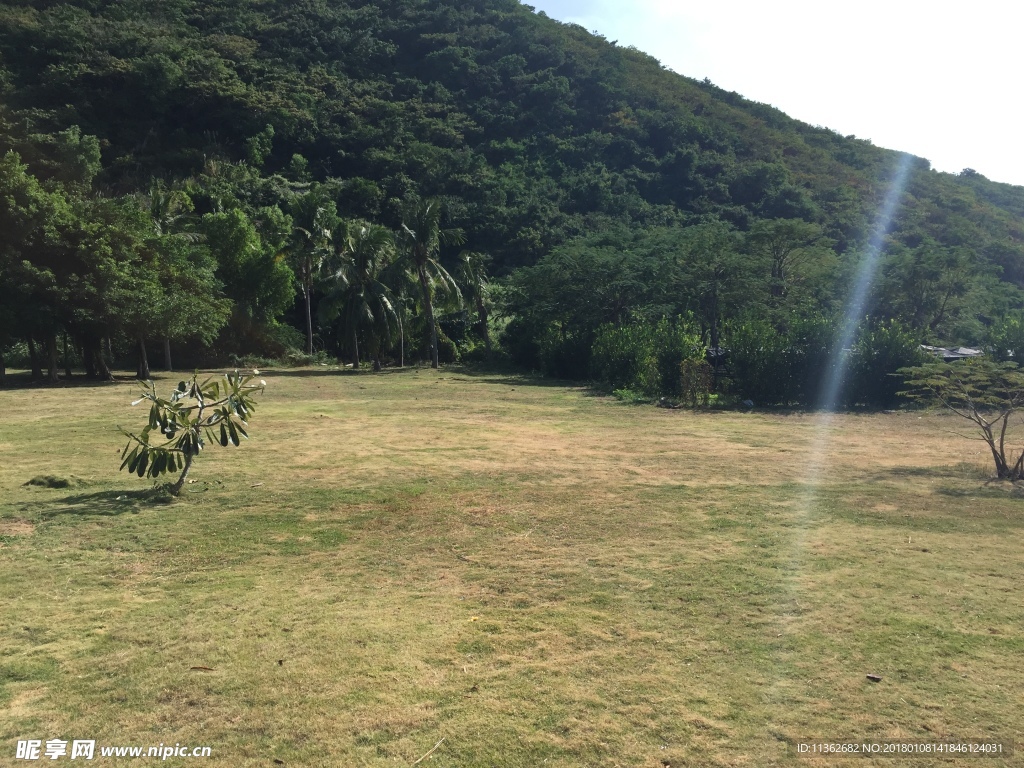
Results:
[952, 353]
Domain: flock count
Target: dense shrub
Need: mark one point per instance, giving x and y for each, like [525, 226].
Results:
[880, 351]
[762, 363]
[696, 382]
[645, 356]
[813, 343]
[1006, 339]
[772, 367]
[564, 355]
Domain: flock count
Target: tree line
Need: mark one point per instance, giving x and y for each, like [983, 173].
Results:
[762, 307]
[215, 178]
[83, 275]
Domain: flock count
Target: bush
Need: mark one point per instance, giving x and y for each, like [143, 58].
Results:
[16, 355]
[630, 397]
[197, 414]
[696, 382]
[762, 363]
[879, 353]
[775, 368]
[1006, 339]
[812, 343]
[645, 357]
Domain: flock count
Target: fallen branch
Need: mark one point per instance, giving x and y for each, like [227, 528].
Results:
[430, 752]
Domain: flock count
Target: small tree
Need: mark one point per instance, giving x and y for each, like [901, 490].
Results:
[984, 392]
[695, 382]
[215, 410]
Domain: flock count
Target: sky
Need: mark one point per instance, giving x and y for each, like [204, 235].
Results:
[938, 79]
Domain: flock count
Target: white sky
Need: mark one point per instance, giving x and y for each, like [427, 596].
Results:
[936, 79]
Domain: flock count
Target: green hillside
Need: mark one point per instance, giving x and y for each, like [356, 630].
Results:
[533, 133]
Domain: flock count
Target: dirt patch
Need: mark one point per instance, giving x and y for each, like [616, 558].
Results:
[16, 528]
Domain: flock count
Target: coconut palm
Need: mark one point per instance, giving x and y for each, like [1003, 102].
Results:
[359, 294]
[472, 276]
[314, 220]
[421, 238]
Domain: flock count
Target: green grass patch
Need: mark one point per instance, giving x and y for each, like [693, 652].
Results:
[533, 573]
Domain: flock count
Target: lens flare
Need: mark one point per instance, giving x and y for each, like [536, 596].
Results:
[831, 397]
[855, 306]
[832, 388]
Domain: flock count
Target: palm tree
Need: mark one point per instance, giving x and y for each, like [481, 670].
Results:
[422, 238]
[472, 275]
[360, 295]
[314, 217]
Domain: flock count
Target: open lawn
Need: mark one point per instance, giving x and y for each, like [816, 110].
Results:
[535, 575]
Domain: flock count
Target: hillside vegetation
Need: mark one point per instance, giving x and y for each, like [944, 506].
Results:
[535, 135]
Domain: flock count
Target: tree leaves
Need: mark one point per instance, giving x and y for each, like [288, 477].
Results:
[216, 404]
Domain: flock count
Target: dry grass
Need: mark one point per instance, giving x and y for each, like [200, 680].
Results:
[540, 576]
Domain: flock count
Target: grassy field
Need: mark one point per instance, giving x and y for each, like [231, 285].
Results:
[536, 575]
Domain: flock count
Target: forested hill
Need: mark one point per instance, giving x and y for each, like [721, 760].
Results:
[264, 175]
[537, 131]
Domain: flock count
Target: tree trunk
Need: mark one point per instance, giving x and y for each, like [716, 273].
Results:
[3, 369]
[355, 350]
[481, 312]
[428, 306]
[143, 373]
[37, 371]
[167, 355]
[88, 359]
[176, 488]
[51, 358]
[714, 339]
[401, 339]
[67, 360]
[101, 362]
[376, 363]
[309, 320]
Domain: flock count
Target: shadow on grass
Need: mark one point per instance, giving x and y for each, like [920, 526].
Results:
[516, 378]
[103, 503]
[961, 471]
[993, 489]
[307, 373]
[23, 380]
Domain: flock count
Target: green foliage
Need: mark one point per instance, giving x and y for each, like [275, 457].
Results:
[256, 277]
[696, 381]
[789, 367]
[881, 350]
[359, 296]
[762, 363]
[631, 397]
[420, 238]
[773, 367]
[257, 148]
[94, 267]
[538, 129]
[646, 356]
[626, 192]
[197, 414]
[1006, 338]
[929, 286]
[801, 264]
